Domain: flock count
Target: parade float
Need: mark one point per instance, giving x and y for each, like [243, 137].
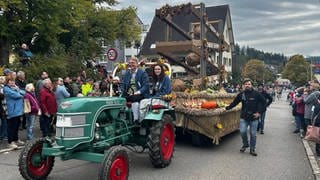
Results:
[193, 37]
[203, 115]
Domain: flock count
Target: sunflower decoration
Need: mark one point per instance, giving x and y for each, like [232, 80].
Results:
[161, 61]
[169, 97]
[121, 66]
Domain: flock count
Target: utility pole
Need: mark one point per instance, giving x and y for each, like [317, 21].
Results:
[311, 69]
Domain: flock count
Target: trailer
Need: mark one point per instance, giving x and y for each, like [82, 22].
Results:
[190, 40]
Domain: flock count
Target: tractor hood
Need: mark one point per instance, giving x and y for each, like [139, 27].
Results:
[89, 104]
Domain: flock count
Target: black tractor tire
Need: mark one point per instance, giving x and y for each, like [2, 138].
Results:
[115, 165]
[161, 142]
[31, 164]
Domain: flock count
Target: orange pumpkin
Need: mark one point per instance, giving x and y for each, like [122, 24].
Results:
[209, 105]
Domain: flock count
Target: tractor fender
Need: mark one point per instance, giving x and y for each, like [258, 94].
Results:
[159, 114]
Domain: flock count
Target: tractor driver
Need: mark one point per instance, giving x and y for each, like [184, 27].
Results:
[135, 86]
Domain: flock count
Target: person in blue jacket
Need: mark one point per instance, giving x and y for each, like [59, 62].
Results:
[135, 86]
[161, 86]
[14, 99]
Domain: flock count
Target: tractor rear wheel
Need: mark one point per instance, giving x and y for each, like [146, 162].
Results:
[32, 165]
[115, 165]
[161, 141]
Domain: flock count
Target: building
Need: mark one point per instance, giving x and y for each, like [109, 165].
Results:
[218, 17]
[133, 48]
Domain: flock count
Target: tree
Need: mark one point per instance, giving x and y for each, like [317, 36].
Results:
[257, 71]
[297, 70]
[76, 25]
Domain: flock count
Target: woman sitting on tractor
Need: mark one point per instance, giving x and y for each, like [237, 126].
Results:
[161, 86]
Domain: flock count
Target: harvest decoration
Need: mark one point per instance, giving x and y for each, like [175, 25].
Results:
[168, 97]
[209, 105]
[218, 125]
[121, 66]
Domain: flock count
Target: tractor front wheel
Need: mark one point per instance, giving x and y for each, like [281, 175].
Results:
[32, 165]
[161, 141]
[115, 165]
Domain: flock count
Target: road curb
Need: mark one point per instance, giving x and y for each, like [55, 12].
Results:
[312, 160]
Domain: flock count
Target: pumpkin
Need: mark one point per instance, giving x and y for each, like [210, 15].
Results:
[209, 105]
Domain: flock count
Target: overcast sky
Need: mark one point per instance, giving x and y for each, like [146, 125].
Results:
[289, 27]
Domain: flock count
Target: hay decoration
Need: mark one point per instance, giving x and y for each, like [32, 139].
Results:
[205, 121]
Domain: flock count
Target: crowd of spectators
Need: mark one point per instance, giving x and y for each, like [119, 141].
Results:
[43, 97]
[305, 102]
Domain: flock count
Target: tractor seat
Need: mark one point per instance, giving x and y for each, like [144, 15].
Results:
[158, 106]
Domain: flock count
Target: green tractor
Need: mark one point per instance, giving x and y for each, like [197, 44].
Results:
[101, 129]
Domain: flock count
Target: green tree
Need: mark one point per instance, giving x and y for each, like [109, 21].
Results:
[257, 71]
[297, 70]
[69, 31]
[77, 25]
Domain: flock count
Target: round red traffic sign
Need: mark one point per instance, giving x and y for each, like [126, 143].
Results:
[112, 54]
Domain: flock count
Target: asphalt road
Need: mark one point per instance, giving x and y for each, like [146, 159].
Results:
[281, 155]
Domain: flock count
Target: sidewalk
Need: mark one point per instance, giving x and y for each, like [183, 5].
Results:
[22, 136]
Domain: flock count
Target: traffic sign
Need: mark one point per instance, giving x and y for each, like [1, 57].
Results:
[112, 54]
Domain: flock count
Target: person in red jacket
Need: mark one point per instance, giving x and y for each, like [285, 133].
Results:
[48, 106]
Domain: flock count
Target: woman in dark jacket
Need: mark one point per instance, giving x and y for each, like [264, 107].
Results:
[161, 86]
[161, 83]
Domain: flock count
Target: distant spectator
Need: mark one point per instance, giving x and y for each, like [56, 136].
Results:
[39, 85]
[7, 72]
[104, 86]
[68, 84]
[76, 86]
[269, 100]
[61, 91]
[21, 83]
[20, 80]
[96, 90]
[86, 87]
[25, 54]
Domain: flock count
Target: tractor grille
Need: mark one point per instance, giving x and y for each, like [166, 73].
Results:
[78, 120]
[73, 132]
[58, 132]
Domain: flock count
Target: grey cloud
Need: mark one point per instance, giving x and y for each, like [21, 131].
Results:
[287, 27]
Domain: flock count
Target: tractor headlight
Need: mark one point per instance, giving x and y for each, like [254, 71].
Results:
[63, 121]
[97, 135]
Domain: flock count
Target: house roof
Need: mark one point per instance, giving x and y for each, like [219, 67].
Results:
[158, 30]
